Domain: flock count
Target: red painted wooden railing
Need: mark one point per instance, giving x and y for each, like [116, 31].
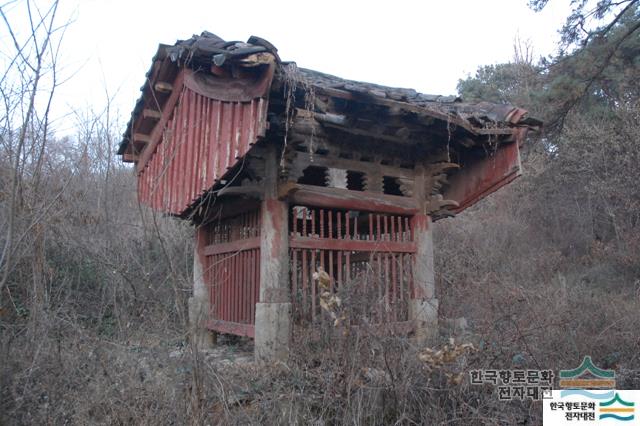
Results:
[232, 271]
[368, 257]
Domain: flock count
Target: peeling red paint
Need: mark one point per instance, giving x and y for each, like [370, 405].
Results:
[201, 141]
[484, 176]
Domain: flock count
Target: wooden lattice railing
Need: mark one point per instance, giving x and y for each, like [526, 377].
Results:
[232, 271]
[368, 256]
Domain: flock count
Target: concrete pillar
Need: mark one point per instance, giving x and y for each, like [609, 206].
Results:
[273, 312]
[199, 303]
[423, 306]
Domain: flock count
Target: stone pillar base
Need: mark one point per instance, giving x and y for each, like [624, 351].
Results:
[425, 315]
[200, 335]
[273, 331]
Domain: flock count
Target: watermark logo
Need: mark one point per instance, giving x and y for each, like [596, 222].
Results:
[617, 409]
[587, 376]
[587, 394]
[592, 406]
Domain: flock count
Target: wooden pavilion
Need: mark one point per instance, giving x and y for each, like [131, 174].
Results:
[284, 171]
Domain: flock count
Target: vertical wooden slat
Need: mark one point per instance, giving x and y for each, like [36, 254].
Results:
[234, 288]
[245, 138]
[179, 145]
[338, 267]
[256, 290]
[188, 148]
[394, 236]
[355, 228]
[394, 283]
[313, 285]
[172, 163]
[246, 298]
[401, 277]
[162, 151]
[211, 282]
[347, 278]
[197, 148]
[346, 226]
[386, 228]
[228, 287]
[331, 269]
[214, 152]
[386, 285]
[304, 221]
[225, 287]
[181, 148]
[246, 287]
[305, 277]
[408, 229]
[225, 137]
[242, 296]
[256, 284]
[379, 282]
[294, 278]
[221, 285]
[238, 286]
[205, 143]
[236, 133]
[295, 221]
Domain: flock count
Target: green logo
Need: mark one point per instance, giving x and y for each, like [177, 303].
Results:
[587, 376]
[624, 411]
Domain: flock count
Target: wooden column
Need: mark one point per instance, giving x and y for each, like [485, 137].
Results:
[423, 307]
[273, 312]
[199, 302]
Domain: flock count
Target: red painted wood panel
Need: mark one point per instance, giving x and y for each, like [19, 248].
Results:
[202, 140]
[231, 249]
[484, 176]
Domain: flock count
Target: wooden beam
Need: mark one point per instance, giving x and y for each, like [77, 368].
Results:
[151, 113]
[232, 247]
[496, 131]
[249, 190]
[304, 158]
[336, 119]
[163, 87]
[229, 327]
[129, 158]
[395, 105]
[141, 138]
[351, 245]
[319, 196]
[366, 133]
[222, 209]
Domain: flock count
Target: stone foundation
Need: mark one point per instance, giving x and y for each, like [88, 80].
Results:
[273, 331]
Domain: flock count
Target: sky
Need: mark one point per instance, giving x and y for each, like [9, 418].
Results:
[425, 45]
